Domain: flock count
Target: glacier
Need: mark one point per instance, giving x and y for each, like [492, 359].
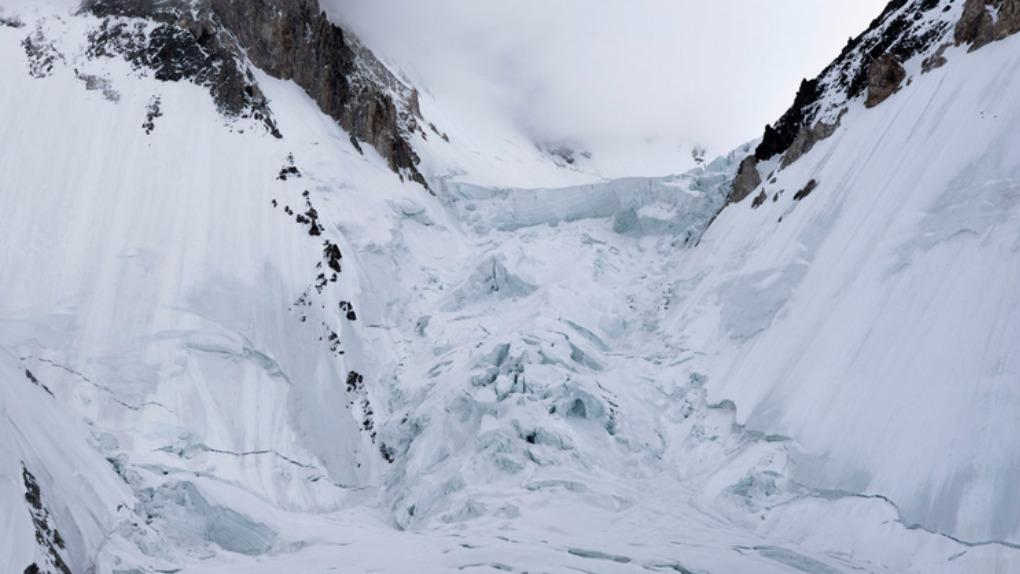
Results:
[224, 351]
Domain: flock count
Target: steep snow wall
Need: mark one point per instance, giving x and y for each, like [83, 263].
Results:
[223, 350]
[170, 276]
[868, 305]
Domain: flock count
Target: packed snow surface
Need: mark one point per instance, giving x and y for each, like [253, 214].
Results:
[226, 352]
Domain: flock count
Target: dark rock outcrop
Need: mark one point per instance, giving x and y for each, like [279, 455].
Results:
[748, 179]
[935, 60]
[885, 76]
[294, 40]
[212, 42]
[806, 191]
[778, 138]
[11, 21]
[42, 55]
[184, 45]
[872, 62]
[759, 200]
[986, 21]
[904, 29]
[48, 538]
[807, 138]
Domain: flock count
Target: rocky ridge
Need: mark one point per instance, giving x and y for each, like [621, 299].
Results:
[215, 44]
[871, 65]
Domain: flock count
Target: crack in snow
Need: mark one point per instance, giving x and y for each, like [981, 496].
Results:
[112, 393]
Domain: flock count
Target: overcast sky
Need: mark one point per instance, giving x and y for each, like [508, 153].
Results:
[692, 71]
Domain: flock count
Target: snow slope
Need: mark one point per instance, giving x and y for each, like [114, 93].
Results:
[507, 376]
[876, 319]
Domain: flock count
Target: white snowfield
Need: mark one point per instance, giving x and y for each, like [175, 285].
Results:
[877, 320]
[599, 378]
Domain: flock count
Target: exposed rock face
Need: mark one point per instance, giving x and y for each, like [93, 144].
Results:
[759, 200]
[936, 60]
[872, 62]
[50, 542]
[210, 42]
[41, 55]
[904, 29]
[807, 138]
[748, 179]
[184, 45]
[811, 185]
[777, 139]
[294, 40]
[885, 76]
[986, 21]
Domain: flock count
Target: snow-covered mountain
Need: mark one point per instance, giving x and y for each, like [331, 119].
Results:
[265, 307]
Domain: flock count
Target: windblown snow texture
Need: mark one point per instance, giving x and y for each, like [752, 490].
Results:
[232, 339]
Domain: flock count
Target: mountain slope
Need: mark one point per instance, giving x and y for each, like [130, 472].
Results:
[232, 344]
[875, 319]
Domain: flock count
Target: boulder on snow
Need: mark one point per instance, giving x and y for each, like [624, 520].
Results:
[885, 76]
[759, 200]
[748, 179]
[986, 21]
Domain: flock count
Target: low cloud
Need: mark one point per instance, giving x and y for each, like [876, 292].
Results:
[692, 71]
